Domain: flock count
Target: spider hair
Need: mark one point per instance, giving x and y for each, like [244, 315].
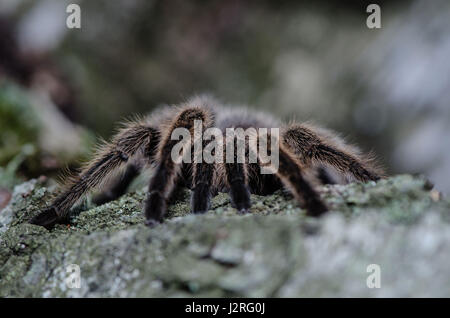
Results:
[303, 149]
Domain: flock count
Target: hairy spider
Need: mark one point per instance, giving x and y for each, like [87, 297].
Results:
[306, 155]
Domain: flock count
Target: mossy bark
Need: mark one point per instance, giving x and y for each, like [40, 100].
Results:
[274, 251]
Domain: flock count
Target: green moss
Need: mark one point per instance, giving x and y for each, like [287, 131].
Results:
[273, 251]
[18, 122]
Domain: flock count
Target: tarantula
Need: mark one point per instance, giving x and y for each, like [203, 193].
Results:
[303, 148]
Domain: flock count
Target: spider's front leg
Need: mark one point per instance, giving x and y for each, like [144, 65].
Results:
[238, 187]
[201, 190]
[167, 170]
[236, 175]
[127, 143]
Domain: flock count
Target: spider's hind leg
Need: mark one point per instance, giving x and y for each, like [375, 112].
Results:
[291, 173]
[119, 185]
[311, 145]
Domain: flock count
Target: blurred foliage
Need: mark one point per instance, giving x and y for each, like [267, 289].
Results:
[309, 60]
[18, 122]
[27, 123]
[9, 174]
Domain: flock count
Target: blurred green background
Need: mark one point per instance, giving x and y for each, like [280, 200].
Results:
[387, 89]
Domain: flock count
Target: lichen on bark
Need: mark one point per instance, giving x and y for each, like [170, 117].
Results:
[399, 224]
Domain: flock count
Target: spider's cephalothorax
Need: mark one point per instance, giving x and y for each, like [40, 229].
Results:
[303, 148]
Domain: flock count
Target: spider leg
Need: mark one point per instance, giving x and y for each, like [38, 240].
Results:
[324, 176]
[201, 191]
[236, 177]
[166, 173]
[291, 174]
[127, 143]
[119, 185]
[311, 146]
[239, 191]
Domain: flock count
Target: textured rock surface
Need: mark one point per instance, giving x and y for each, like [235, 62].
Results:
[397, 223]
